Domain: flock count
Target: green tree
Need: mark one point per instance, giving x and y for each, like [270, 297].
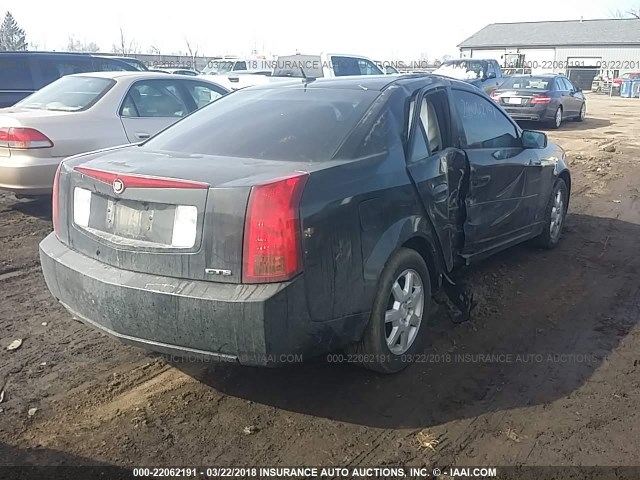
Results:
[12, 37]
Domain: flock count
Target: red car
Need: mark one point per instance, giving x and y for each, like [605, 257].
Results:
[625, 76]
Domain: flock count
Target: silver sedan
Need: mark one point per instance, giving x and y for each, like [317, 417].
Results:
[86, 112]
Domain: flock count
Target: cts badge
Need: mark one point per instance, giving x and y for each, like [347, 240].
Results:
[118, 186]
[217, 271]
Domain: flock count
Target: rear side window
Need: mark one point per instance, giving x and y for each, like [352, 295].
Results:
[15, 73]
[483, 123]
[154, 98]
[289, 124]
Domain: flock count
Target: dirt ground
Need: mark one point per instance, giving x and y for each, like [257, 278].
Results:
[562, 386]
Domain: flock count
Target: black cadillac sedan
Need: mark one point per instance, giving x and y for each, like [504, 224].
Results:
[299, 218]
[541, 98]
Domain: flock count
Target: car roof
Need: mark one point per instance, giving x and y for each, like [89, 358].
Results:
[138, 75]
[369, 82]
[539, 75]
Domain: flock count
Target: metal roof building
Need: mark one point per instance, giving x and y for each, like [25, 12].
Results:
[578, 48]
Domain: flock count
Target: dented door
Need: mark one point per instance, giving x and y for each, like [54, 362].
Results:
[502, 194]
[437, 169]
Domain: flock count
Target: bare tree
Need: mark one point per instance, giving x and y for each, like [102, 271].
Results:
[192, 53]
[153, 50]
[125, 47]
[74, 45]
[631, 13]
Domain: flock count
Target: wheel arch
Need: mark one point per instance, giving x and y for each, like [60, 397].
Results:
[427, 250]
[566, 177]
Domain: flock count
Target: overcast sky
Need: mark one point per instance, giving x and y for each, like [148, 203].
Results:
[396, 30]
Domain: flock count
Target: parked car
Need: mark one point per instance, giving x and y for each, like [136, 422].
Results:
[134, 62]
[84, 112]
[300, 218]
[26, 72]
[485, 74]
[177, 71]
[225, 65]
[325, 65]
[542, 98]
[617, 82]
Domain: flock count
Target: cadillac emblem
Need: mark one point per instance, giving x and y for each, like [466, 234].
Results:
[118, 186]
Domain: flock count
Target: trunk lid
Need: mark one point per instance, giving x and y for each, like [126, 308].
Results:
[517, 98]
[162, 213]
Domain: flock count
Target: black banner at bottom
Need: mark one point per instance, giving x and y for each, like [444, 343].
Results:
[361, 472]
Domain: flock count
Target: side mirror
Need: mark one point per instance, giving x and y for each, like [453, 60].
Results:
[534, 139]
[491, 75]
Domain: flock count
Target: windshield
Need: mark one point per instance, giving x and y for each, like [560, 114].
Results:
[290, 124]
[463, 69]
[68, 94]
[218, 67]
[527, 83]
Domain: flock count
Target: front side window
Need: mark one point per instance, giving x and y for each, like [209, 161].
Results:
[68, 94]
[484, 125]
[154, 99]
[367, 67]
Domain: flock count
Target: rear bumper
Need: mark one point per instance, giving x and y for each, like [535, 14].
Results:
[538, 113]
[250, 324]
[25, 175]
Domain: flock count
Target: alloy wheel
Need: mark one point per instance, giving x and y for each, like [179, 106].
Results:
[557, 215]
[404, 311]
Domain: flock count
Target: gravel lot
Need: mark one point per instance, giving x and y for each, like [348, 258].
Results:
[546, 373]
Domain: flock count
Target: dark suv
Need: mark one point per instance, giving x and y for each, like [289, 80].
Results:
[25, 72]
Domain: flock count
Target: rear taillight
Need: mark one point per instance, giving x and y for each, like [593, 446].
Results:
[540, 99]
[23, 138]
[272, 244]
[55, 204]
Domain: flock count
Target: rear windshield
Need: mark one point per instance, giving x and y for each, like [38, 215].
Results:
[291, 124]
[69, 94]
[528, 83]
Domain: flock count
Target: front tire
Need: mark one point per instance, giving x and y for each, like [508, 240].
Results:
[554, 216]
[583, 113]
[401, 310]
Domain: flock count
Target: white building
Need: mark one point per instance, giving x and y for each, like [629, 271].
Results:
[578, 48]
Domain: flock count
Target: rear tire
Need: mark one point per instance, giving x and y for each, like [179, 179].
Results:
[401, 310]
[557, 119]
[554, 216]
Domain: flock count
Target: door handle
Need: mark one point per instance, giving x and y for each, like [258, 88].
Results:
[142, 135]
[535, 162]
